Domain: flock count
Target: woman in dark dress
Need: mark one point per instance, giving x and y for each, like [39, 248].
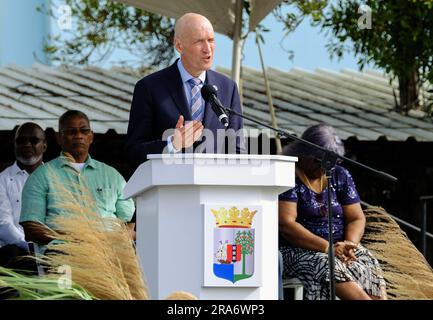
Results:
[304, 226]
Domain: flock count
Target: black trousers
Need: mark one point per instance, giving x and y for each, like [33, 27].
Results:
[19, 260]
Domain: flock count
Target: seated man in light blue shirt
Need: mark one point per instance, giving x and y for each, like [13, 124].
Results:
[73, 172]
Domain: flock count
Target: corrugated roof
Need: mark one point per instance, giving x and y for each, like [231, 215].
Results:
[357, 104]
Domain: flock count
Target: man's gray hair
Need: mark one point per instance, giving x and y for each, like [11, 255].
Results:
[71, 114]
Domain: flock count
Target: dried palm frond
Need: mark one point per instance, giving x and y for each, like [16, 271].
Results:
[181, 295]
[97, 250]
[102, 260]
[407, 273]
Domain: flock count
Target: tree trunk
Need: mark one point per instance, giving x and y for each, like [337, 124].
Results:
[409, 89]
[243, 263]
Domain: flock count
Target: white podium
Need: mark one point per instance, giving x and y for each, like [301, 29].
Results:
[208, 224]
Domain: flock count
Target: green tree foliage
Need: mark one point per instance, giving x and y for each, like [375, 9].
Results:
[291, 13]
[100, 26]
[399, 40]
[246, 240]
[428, 3]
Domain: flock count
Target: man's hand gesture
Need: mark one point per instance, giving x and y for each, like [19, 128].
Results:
[187, 133]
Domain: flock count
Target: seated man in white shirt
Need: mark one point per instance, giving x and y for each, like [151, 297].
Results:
[30, 145]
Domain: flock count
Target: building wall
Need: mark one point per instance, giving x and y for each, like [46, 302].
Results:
[22, 32]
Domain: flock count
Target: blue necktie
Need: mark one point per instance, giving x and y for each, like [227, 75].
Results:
[196, 103]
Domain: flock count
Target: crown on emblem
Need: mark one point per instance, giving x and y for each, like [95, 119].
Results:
[233, 217]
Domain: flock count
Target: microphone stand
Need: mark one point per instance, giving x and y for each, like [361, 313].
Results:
[328, 163]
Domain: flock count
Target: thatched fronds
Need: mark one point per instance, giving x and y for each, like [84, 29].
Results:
[407, 273]
[39, 288]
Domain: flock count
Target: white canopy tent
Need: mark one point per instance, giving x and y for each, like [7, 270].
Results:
[225, 15]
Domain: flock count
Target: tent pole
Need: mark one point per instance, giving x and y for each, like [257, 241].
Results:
[237, 42]
[269, 95]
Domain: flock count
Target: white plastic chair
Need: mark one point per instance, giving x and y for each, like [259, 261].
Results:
[296, 285]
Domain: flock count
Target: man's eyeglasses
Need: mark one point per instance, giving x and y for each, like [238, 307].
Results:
[74, 131]
[24, 140]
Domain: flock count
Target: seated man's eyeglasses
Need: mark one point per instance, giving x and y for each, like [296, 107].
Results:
[74, 131]
[24, 140]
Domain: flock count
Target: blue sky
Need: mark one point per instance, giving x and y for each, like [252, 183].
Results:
[21, 31]
[307, 43]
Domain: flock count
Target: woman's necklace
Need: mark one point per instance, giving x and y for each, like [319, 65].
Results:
[304, 178]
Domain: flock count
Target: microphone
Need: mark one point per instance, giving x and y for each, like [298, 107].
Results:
[209, 94]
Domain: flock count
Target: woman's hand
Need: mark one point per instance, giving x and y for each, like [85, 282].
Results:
[345, 251]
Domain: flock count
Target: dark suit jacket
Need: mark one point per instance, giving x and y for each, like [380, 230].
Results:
[158, 101]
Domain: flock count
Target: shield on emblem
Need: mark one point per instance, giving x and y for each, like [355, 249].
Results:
[233, 244]
[234, 253]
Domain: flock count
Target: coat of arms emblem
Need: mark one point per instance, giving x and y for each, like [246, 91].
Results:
[233, 244]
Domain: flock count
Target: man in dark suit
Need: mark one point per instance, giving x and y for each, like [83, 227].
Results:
[171, 99]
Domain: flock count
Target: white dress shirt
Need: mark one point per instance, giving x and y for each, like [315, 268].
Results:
[186, 76]
[12, 180]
